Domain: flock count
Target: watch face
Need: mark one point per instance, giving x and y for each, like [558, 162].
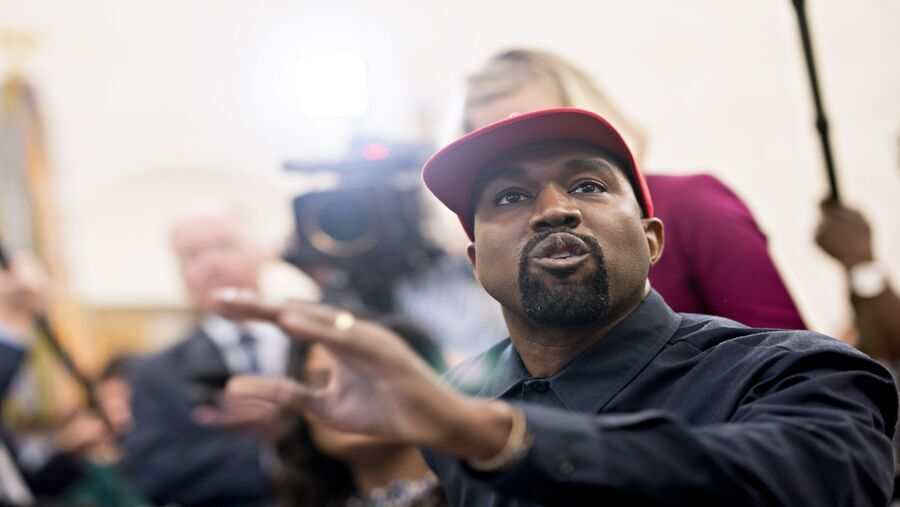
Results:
[867, 280]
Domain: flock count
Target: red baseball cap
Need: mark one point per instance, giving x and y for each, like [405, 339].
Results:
[451, 172]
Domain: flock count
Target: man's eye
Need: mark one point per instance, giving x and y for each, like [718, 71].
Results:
[510, 197]
[589, 187]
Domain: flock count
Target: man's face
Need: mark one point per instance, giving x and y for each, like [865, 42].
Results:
[213, 253]
[559, 236]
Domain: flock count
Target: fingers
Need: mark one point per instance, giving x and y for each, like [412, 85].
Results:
[242, 304]
[828, 202]
[319, 324]
[364, 343]
[849, 220]
[283, 392]
[206, 415]
[306, 322]
[238, 413]
[837, 211]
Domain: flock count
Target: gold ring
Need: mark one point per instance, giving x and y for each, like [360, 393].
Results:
[344, 320]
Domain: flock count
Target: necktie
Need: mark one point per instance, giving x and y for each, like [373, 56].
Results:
[248, 344]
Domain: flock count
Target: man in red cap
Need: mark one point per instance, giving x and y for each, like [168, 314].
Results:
[601, 394]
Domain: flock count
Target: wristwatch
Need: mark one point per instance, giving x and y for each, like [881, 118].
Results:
[868, 279]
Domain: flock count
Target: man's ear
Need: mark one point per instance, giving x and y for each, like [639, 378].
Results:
[656, 238]
[470, 251]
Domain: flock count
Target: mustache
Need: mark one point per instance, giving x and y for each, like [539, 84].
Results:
[578, 303]
[590, 241]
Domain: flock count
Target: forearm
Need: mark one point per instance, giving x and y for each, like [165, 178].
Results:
[650, 458]
[472, 428]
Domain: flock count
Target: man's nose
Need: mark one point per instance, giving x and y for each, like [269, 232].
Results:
[554, 209]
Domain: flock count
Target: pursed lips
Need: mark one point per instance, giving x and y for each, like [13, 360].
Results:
[560, 251]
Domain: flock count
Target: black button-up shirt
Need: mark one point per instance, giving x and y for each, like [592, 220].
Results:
[684, 409]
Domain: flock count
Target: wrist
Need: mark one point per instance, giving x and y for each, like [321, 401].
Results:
[479, 429]
[517, 444]
[848, 261]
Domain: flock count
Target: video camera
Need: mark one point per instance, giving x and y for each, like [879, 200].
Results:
[368, 228]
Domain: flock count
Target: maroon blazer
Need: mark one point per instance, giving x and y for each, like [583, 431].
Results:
[716, 259]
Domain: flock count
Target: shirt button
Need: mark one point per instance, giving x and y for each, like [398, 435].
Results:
[540, 386]
[565, 466]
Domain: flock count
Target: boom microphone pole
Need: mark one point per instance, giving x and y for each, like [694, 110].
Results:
[49, 335]
[821, 120]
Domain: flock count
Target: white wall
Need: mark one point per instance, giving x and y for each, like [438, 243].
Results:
[149, 102]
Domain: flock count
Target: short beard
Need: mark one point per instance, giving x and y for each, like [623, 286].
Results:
[565, 305]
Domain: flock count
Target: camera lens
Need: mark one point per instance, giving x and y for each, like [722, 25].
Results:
[344, 220]
[340, 224]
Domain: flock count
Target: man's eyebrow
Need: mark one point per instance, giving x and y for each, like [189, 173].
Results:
[486, 178]
[590, 164]
[507, 171]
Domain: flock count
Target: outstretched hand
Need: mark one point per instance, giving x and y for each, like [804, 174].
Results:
[379, 385]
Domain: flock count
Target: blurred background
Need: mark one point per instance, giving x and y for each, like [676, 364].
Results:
[134, 109]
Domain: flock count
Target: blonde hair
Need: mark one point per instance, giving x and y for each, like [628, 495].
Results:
[507, 71]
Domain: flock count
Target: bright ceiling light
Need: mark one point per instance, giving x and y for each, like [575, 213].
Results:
[333, 85]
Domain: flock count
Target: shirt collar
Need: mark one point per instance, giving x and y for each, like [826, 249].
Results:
[223, 333]
[606, 366]
[272, 347]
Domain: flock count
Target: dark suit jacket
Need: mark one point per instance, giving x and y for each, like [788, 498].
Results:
[174, 460]
[11, 359]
